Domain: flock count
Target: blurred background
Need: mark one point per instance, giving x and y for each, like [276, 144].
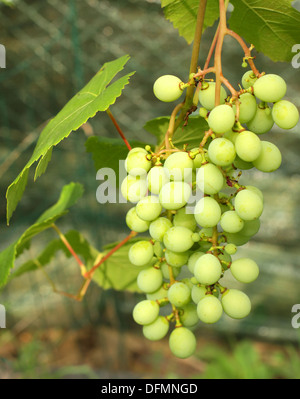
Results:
[53, 48]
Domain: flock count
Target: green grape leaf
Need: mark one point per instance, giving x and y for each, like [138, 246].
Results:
[96, 96]
[68, 197]
[183, 15]
[107, 152]
[158, 127]
[271, 26]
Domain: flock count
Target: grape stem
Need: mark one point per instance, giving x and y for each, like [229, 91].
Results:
[108, 111]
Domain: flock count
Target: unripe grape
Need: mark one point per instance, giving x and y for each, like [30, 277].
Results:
[248, 146]
[237, 238]
[243, 165]
[210, 179]
[251, 227]
[236, 304]
[137, 163]
[230, 249]
[141, 253]
[221, 119]
[184, 219]
[193, 259]
[262, 121]
[256, 191]
[270, 88]
[156, 330]
[207, 95]
[231, 135]
[159, 227]
[135, 223]
[269, 159]
[156, 179]
[182, 342]
[207, 212]
[175, 195]
[198, 293]
[167, 88]
[199, 158]
[245, 270]
[161, 293]
[221, 152]
[285, 114]
[189, 317]
[178, 239]
[179, 166]
[149, 280]
[247, 107]
[134, 188]
[176, 259]
[231, 222]
[145, 312]
[148, 208]
[248, 79]
[208, 269]
[248, 205]
[209, 309]
[179, 294]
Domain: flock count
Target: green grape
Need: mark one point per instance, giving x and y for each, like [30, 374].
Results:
[247, 107]
[182, 342]
[156, 330]
[141, 253]
[243, 165]
[248, 205]
[248, 146]
[148, 208]
[236, 304]
[179, 166]
[221, 152]
[245, 270]
[207, 95]
[159, 227]
[251, 227]
[199, 158]
[175, 195]
[167, 88]
[176, 259]
[135, 223]
[221, 119]
[165, 271]
[137, 163]
[231, 222]
[230, 249]
[145, 312]
[189, 316]
[161, 293]
[133, 188]
[193, 259]
[208, 269]
[270, 88]
[237, 239]
[231, 135]
[179, 294]
[248, 79]
[269, 159]
[262, 121]
[184, 219]
[207, 212]
[209, 309]
[198, 293]
[156, 179]
[256, 191]
[149, 280]
[210, 179]
[158, 249]
[178, 239]
[285, 114]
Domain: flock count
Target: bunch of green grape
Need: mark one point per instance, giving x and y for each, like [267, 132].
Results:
[197, 212]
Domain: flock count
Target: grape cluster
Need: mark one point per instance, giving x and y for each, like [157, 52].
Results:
[196, 211]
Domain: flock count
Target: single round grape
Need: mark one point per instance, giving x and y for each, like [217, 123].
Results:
[148, 208]
[156, 330]
[269, 159]
[207, 212]
[236, 304]
[210, 179]
[270, 88]
[285, 114]
[161, 293]
[256, 191]
[179, 166]
[230, 249]
[176, 259]
[184, 219]
[243, 165]
[167, 88]
[248, 146]
[248, 205]
[207, 95]
[248, 79]
[208, 269]
[209, 309]
[251, 227]
[247, 107]
[179, 294]
[193, 259]
[133, 188]
[262, 121]
[159, 227]
[221, 119]
[164, 267]
[178, 239]
[182, 342]
[135, 223]
[137, 163]
[149, 280]
[245, 270]
[198, 293]
[231, 222]
[145, 312]
[221, 152]
[237, 239]
[156, 179]
[141, 253]
[175, 195]
[188, 315]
